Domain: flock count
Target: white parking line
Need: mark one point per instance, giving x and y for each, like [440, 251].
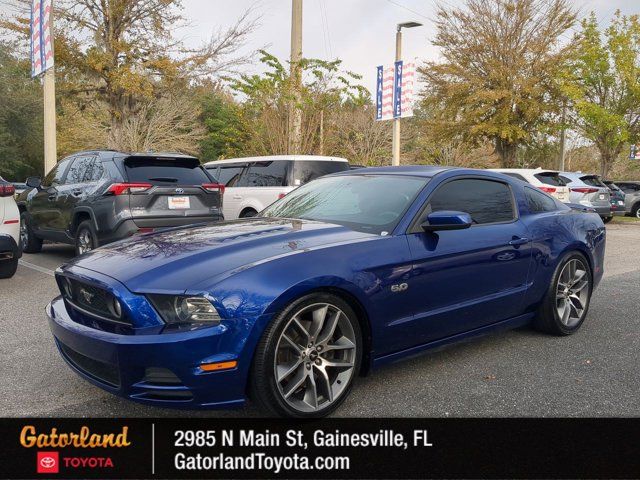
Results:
[36, 267]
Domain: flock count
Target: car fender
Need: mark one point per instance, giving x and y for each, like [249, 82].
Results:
[79, 210]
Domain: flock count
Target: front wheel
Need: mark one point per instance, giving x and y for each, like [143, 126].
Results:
[86, 238]
[607, 219]
[307, 359]
[566, 303]
[28, 240]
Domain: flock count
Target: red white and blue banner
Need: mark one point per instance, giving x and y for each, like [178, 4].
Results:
[41, 41]
[394, 90]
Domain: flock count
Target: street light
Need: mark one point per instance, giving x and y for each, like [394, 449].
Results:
[396, 121]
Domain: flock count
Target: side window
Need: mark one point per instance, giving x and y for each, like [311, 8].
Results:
[54, 177]
[539, 202]
[266, 174]
[487, 201]
[95, 171]
[214, 172]
[229, 174]
[78, 169]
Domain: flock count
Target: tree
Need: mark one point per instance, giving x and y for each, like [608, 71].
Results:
[604, 85]
[268, 97]
[21, 143]
[124, 53]
[498, 77]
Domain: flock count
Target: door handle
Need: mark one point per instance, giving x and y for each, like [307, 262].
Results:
[518, 241]
[77, 192]
[237, 197]
[51, 198]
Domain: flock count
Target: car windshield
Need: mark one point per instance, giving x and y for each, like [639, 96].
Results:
[366, 203]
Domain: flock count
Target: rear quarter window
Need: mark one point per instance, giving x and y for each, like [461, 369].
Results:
[551, 178]
[304, 171]
[538, 202]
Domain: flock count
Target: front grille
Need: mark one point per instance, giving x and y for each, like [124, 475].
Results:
[90, 300]
[103, 372]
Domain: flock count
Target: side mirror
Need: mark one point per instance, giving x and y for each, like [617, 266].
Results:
[34, 182]
[446, 220]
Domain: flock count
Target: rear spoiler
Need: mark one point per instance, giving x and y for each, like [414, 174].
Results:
[185, 160]
[580, 208]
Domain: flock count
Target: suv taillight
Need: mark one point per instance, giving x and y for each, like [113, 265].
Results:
[214, 187]
[122, 188]
[7, 190]
[584, 190]
[548, 189]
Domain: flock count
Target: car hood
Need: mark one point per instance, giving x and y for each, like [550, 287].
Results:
[179, 259]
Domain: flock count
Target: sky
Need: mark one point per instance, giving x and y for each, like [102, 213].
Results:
[359, 32]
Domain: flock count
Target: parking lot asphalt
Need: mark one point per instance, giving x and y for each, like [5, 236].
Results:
[518, 373]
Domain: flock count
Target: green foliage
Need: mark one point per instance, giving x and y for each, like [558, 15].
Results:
[21, 143]
[226, 133]
[604, 84]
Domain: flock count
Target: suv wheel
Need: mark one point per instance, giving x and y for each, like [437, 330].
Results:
[636, 210]
[86, 238]
[248, 213]
[28, 240]
[307, 359]
[8, 268]
[566, 303]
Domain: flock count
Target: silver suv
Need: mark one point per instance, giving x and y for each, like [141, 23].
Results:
[590, 191]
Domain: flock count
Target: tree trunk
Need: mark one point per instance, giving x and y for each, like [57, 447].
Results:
[507, 152]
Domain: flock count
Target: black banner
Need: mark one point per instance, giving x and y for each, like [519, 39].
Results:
[332, 448]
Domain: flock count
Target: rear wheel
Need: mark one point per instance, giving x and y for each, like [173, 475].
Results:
[307, 359]
[566, 303]
[636, 210]
[28, 240]
[86, 238]
[8, 268]
[607, 219]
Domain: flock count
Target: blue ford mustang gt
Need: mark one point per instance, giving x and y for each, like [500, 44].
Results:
[343, 275]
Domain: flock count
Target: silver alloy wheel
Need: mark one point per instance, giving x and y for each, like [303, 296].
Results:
[24, 235]
[315, 357]
[572, 292]
[638, 213]
[85, 243]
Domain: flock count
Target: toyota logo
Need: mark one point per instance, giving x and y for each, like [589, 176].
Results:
[48, 462]
[179, 190]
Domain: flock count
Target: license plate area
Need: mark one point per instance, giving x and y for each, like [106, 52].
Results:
[601, 196]
[179, 203]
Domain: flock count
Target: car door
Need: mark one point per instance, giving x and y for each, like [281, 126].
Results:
[229, 175]
[73, 189]
[467, 279]
[265, 182]
[42, 203]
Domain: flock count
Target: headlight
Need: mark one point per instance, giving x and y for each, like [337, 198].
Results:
[185, 310]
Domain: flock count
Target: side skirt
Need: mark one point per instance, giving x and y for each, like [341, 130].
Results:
[508, 324]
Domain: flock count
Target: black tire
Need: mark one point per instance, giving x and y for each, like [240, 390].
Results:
[635, 210]
[8, 268]
[86, 227]
[248, 213]
[607, 219]
[32, 244]
[547, 319]
[263, 389]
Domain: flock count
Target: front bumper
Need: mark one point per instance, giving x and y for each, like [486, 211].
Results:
[9, 249]
[158, 369]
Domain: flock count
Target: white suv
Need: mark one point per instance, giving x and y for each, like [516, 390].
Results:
[548, 181]
[254, 183]
[10, 250]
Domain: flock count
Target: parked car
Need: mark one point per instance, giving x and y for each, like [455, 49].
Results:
[254, 183]
[632, 197]
[10, 251]
[617, 198]
[345, 274]
[588, 190]
[548, 181]
[96, 197]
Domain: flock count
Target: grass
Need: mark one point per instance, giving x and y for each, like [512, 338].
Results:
[626, 220]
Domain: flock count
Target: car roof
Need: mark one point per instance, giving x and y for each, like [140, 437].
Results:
[578, 174]
[269, 158]
[415, 170]
[522, 170]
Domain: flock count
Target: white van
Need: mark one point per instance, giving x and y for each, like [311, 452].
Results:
[254, 183]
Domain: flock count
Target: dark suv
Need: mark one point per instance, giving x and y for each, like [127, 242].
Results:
[96, 197]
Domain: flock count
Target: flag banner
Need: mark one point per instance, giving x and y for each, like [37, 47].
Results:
[334, 448]
[394, 90]
[41, 41]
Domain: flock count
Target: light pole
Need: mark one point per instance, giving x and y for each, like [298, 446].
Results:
[396, 121]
